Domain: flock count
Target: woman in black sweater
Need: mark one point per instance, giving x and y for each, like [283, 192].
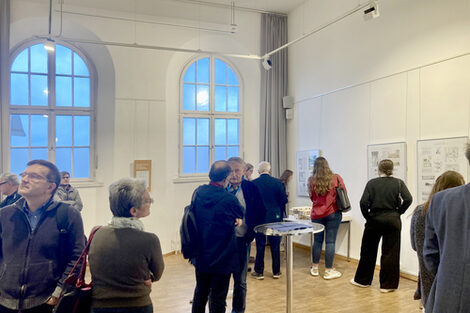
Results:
[384, 199]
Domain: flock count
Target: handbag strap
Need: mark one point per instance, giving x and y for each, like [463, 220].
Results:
[82, 259]
[339, 182]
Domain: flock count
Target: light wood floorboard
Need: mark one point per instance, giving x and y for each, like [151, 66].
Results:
[311, 294]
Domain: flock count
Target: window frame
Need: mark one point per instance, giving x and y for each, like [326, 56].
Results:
[211, 114]
[51, 109]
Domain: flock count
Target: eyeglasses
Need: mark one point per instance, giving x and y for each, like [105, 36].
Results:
[66, 177]
[33, 176]
[148, 201]
[3, 182]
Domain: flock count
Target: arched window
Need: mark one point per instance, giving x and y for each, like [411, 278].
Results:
[51, 110]
[210, 115]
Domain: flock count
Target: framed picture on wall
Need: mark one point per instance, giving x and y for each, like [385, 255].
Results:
[435, 156]
[143, 170]
[305, 160]
[395, 151]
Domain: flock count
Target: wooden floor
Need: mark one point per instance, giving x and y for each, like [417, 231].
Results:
[311, 294]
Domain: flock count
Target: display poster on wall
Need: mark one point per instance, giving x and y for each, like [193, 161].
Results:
[393, 151]
[143, 170]
[305, 160]
[436, 156]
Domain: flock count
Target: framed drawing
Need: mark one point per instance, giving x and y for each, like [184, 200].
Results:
[305, 161]
[143, 170]
[435, 156]
[395, 151]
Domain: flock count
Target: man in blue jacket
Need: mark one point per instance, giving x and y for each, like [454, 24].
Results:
[254, 213]
[274, 197]
[217, 213]
[446, 249]
[35, 256]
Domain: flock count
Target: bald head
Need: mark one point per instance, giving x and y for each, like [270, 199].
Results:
[219, 171]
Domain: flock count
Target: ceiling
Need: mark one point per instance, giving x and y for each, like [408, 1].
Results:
[151, 6]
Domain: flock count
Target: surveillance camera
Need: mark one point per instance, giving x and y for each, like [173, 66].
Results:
[267, 64]
[372, 11]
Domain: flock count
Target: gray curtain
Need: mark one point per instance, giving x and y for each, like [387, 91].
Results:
[273, 87]
[4, 73]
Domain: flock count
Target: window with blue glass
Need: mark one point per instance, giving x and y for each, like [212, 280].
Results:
[51, 109]
[210, 115]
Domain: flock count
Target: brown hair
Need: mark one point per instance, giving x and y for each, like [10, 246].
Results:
[285, 176]
[448, 179]
[386, 167]
[321, 177]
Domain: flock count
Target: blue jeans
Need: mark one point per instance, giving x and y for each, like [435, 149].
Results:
[331, 223]
[239, 277]
[141, 309]
[275, 245]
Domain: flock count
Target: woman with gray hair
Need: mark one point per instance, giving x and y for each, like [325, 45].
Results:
[124, 259]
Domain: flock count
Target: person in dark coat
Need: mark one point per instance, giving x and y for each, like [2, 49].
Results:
[448, 179]
[384, 200]
[446, 249]
[254, 213]
[217, 213]
[274, 198]
[9, 184]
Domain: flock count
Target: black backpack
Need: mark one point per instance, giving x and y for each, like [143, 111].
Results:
[188, 231]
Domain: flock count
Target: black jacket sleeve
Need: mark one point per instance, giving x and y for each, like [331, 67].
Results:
[406, 196]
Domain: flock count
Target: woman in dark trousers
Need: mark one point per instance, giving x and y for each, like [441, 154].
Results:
[448, 179]
[384, 200]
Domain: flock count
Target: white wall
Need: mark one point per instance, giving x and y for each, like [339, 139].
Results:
[358, 83]
[138, 100]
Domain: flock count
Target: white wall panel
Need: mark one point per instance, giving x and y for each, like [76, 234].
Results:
[445, 98]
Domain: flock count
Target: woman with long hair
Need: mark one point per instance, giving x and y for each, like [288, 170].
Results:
[448, 179]
[384, 199]
[285, 178]
[322, 190]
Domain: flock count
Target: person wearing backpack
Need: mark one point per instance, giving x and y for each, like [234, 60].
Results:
[217, 212]
[33, 264]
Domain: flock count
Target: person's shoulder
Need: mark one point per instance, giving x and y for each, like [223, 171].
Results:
[460, 192]
[246, 184]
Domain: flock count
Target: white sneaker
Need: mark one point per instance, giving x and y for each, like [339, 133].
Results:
[314, 271]
[332, 274]
[386, 290]
[353, 282]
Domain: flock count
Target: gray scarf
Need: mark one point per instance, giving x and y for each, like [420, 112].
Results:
[126, 222]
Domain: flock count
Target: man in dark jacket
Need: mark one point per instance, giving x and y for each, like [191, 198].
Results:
[35, 257]
[217, 213]
[250, 199]
[9, 187]
[274, 198]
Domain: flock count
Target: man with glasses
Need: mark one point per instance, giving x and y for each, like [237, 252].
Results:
[35, 255]
[68, 194]
[9, 188]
